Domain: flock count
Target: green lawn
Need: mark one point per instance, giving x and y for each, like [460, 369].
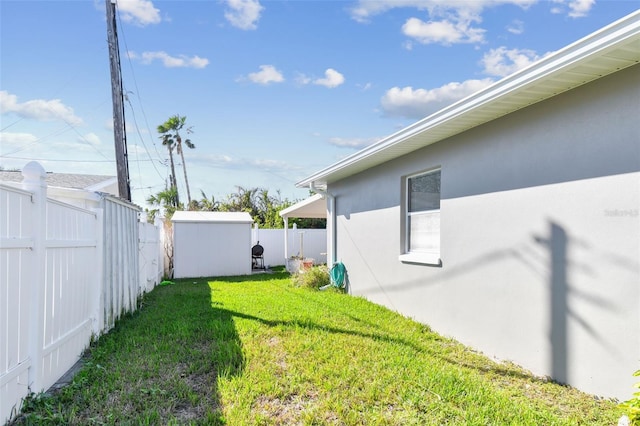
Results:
[258, 351]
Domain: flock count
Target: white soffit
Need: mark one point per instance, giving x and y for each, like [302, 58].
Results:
[604, 52]
[312, 207]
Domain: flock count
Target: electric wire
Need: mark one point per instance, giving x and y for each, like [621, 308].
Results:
[133, 114]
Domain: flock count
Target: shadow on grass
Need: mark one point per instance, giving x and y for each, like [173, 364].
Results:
[484, 365]
[159, 365]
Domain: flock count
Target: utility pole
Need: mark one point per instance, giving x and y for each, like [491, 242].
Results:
[119, 129]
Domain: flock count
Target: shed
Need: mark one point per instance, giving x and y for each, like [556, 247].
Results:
[211, 243]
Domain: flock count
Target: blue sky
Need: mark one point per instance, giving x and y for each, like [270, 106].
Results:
[273, 90]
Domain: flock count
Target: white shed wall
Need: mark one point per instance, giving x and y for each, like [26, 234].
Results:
[205, 249]
[540, 237]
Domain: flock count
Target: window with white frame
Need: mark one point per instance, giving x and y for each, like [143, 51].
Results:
[422, 224]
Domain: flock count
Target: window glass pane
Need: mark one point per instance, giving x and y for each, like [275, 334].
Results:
[424, 192]
[424, 232]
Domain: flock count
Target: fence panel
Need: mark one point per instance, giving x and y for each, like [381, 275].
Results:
[151, 253]
[16, 272]
[121, 271]
[68, 288]
[65, 272]
[310, 243]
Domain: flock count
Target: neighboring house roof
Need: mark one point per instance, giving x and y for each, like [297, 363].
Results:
[312, 207]
[211, 217]
[67, 180]
[611, 49]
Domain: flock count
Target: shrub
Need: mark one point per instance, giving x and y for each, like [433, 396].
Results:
[632, 406]
[314, 277]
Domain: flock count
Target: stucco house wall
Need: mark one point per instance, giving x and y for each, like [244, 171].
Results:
[539, 234]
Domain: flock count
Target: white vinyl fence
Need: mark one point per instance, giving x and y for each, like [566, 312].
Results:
[66, 273]
[308, 243]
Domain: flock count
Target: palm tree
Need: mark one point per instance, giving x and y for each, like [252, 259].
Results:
[168, 141]
[166, 200]
[207, 204]
[171, 129]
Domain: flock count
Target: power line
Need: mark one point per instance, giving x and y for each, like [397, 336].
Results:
[135, 122]
[53, 133]
[59, 160]
[133, 113]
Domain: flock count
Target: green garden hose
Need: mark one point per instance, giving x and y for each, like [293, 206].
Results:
[337, 274]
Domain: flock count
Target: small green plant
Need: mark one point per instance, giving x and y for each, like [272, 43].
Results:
[313, 278]
[632, 406]
[39, 408]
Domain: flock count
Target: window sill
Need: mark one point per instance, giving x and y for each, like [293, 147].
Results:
[432, 259]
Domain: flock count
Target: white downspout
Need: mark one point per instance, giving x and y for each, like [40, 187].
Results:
[331, 224]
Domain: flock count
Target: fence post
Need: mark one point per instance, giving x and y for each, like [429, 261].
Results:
[97, 296]
[159, 224]
[34, 181]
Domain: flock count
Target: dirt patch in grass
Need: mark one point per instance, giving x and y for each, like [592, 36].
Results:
[287, 410]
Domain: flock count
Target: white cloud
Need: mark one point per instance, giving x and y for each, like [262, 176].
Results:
[180, 61]
[419, 103]
[580, 8]
[366, 9]
[138, 12]
[38, 109]
[244, 14]
[13, 140]
[268, 74]
[271, 165]
[352, 142]
[332, 78]
[443, 32]
[502, 61]
[447, 22]
[302, 79]
[516, 27]
[227, 162]
[577, 8]
[91, 139]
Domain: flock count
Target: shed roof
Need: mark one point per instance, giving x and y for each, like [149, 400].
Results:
[312, 207]
[611, 49]
[211, 217]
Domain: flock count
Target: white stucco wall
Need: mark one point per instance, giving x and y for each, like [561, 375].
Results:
[540, 237]
[211, 248]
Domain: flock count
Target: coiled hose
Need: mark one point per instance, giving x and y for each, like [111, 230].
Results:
[337, 274]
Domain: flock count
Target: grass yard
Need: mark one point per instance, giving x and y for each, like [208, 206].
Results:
[258, 351]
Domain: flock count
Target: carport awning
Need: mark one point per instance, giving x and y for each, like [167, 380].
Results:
[313, 207]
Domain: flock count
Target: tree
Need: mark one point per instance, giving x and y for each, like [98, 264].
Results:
[170, 129]
[243, 200]
[206, 204]
[168, 141]
[166, 200]
[264, 208]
